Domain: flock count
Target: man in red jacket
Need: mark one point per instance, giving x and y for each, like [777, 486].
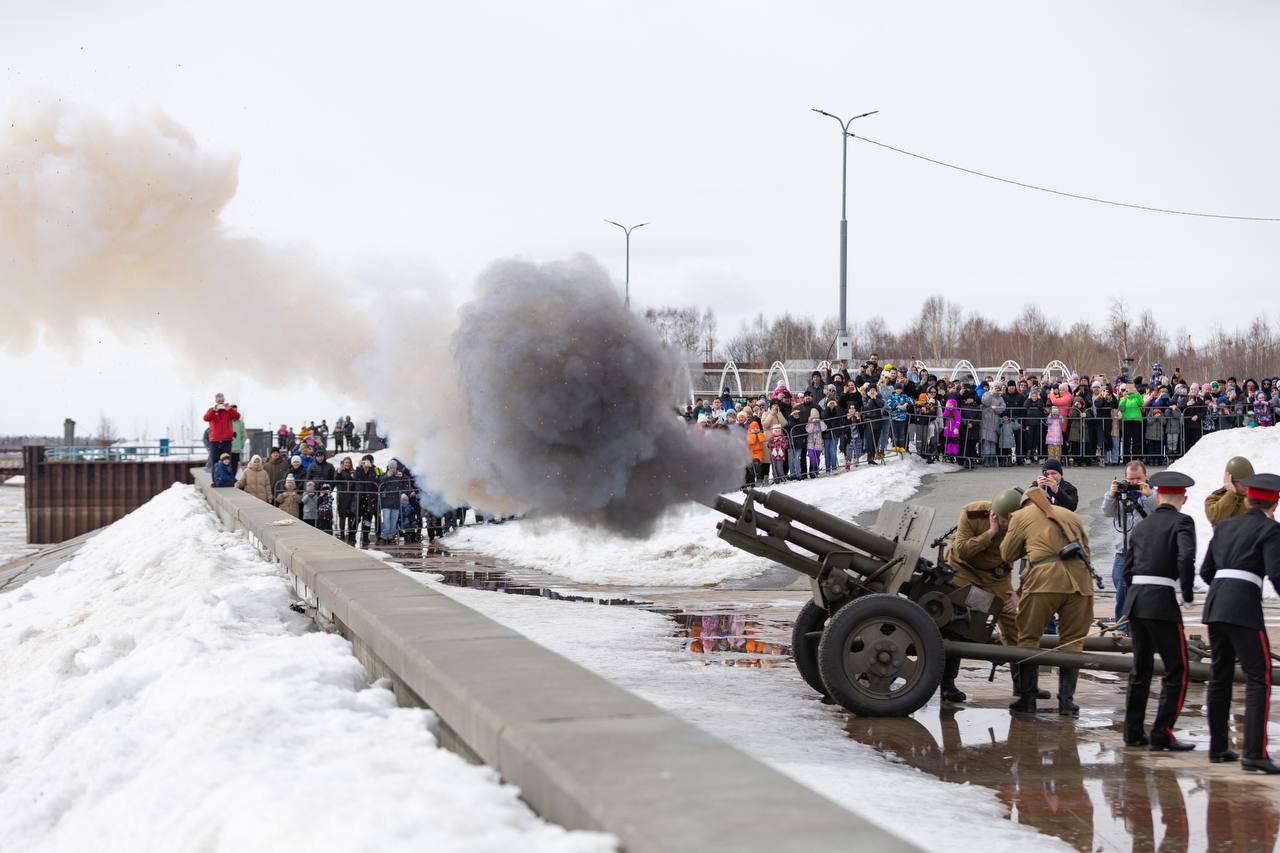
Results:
[219, 418]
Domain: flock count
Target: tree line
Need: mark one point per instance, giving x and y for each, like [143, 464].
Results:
[943, 331]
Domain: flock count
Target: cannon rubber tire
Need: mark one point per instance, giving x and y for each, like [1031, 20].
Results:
[902, 627]
[805, 648]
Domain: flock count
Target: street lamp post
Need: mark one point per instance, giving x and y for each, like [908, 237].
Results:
[844, 346]
[627, 231]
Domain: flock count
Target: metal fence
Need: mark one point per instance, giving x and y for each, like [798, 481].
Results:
[128, 453]
[1075, 440]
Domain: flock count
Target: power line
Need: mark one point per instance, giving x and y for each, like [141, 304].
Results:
[1067, 194]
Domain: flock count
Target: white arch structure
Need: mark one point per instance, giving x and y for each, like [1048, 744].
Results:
[1058, 367]
[1010, 366]
[964, 365]
[776, 367]
[724, 374]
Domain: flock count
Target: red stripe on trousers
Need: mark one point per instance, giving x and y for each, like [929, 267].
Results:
[1266, 709]
[1182, 690]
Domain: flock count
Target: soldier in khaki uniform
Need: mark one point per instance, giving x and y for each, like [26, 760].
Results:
[975, 556]
[1052, 582]
[1228, 501]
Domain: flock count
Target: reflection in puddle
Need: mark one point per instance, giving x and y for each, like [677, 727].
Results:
[730, 638]
[1094, 795]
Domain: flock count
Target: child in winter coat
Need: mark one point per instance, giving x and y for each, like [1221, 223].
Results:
[410, 518]
[1262, 410]
[756, 444]
[324, 510]
[223, 473]
[310, 503]
[778, 453]
[1008, 440]
[1053, 433]
[813, 444]
[951, 428]
[289, 500]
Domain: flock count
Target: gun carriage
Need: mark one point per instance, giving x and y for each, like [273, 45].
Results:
[883, 618]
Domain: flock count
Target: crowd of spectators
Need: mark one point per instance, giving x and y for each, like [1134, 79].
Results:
[844, 418]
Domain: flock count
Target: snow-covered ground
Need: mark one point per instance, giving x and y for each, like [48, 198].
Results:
[13, 523]
[684, 550]
[158, 694]
[768, 713]
[1207, 462]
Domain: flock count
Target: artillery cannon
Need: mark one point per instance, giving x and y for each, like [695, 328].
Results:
[883, 618]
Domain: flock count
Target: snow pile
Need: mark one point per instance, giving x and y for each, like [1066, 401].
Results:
[1207, 462]
[19, 480]
[768, 713]
[159, 695]
[684, 550]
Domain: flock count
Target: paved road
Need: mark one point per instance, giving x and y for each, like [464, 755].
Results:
[947, 493]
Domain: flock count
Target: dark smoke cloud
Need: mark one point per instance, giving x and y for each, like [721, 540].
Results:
[571, 405]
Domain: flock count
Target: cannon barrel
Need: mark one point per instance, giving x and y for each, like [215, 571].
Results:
[993, 653]
[783, 529]
[824, 522]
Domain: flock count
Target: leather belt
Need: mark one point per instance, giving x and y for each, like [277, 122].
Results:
[1237, 574]
[1153, 580]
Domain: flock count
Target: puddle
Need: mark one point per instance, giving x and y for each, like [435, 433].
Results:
[1060, 778]
[721, 635]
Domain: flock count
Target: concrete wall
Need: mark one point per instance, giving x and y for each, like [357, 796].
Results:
[584, 752]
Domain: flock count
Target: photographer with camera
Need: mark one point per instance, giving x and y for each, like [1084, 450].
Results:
[220, 417]
[1127, 503]
[1059, 491]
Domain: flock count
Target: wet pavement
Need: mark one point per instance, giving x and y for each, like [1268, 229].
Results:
[733, 628]
[1075, 780]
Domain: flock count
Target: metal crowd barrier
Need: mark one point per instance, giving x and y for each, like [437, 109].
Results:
[1087, 440]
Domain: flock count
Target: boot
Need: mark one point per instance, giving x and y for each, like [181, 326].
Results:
[1259, 765]
[1013, 671]
[1028, 684]
[1067, 677]
[948, 690]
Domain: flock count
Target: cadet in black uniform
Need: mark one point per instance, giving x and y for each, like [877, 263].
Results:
[1243, 552]
[1160, 561]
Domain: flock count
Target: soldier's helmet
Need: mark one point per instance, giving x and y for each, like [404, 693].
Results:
[1006, 503]
[1239, 468]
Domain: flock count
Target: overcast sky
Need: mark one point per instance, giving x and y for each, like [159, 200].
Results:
[418, 141]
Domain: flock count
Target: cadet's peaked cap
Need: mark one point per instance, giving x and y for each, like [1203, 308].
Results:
[1172, 482]
[1263, 487]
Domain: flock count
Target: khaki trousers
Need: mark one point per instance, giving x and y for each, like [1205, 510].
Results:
[1075, 614]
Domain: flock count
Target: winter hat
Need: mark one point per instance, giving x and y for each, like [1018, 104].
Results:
[1051, 465]
[296, 458]
[702, 419]
[254, 458]
[289, 480]
[225, 456]
[814, 415]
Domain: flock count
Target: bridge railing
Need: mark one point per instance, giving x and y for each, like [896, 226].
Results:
[129, 453]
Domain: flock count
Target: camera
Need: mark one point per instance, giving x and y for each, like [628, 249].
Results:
[1124, 487]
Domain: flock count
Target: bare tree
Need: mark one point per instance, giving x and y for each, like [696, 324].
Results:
[106, 432]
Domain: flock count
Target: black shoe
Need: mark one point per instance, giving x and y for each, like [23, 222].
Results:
[1170, 745]
[1259, 765]
[1223, 757]
[1138, 741]
[953, 694]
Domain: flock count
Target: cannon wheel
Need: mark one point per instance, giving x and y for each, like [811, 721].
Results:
[881, 656]
[805, 648]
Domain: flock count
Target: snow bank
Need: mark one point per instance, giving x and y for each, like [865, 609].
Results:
[19, 480]
[684, 550]
[768, 713]
[1208, 460]
[159, 695]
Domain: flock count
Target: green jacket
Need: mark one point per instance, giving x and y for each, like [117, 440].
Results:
[1131, 407]
[237, 435]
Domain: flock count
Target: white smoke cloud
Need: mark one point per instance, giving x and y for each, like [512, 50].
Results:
[551, 398]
